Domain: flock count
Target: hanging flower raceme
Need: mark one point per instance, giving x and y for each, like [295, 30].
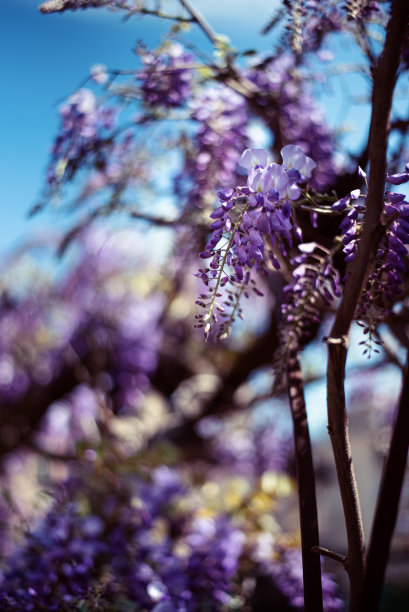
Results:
[83, 138]
[167, 76]
[315, 285]
[252, 227]
[389, 264]
[221, 117]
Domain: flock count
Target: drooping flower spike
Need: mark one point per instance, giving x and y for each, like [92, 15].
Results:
[252, 228]
[389, 265]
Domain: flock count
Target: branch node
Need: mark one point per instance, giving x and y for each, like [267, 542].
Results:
[343, 340]
[325, 552]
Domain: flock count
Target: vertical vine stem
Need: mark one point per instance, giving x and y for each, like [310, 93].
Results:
[384, 79]
[388, 502]
[338, 431]
[306, 485]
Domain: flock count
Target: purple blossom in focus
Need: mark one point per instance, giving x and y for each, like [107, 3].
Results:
[252, 226]
[389, 266]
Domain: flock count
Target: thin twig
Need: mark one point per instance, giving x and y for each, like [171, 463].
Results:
[325, 552]
[200, 20]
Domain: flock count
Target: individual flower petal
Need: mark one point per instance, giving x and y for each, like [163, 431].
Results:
[260, 180]
[398, 179]
[280, 178]
[294, 157]
[394, 197]
[255, 237]
[253, 157]
[342, 204]
[293, 191]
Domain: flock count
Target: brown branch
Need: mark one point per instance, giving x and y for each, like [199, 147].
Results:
[306, 485]
[338, 431]
[388, 503]
[384, 82]
[325, 552]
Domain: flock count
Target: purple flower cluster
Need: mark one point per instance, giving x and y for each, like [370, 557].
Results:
[288, 576]
[216, 546]
[166, 77]
[83, 137]
[310, 22]
[351, 225]
[93, 311]
[116, 551]
[284, 98]
[57, 564]
[315, 284]
[389, 266]
[251, 226]
[247, 449]
[221, 116]
[122, 167]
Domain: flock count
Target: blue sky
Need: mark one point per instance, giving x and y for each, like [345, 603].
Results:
[44, 57]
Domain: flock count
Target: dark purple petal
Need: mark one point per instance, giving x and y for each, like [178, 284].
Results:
[398, 179]
[342, 204]
[395, 197]
[217, 213]
[255, 237]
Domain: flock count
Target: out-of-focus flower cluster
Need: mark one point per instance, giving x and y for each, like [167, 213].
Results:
[84, 137]
[217, 122]
[252, 226]
[166, 77]
[284, 98]
[96, 316]
[158, 538]
[211, 158]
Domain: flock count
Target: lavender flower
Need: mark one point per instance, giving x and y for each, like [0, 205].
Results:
[287, 576]
[211, 161]
[252, 224]
[114, 551]
[166, 77]
[83, 137]
[284, 98]
[389, 265]
[315, 285]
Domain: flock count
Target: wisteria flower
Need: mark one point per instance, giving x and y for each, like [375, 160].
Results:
[250, 227]
[295, 158]
[251, 158]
